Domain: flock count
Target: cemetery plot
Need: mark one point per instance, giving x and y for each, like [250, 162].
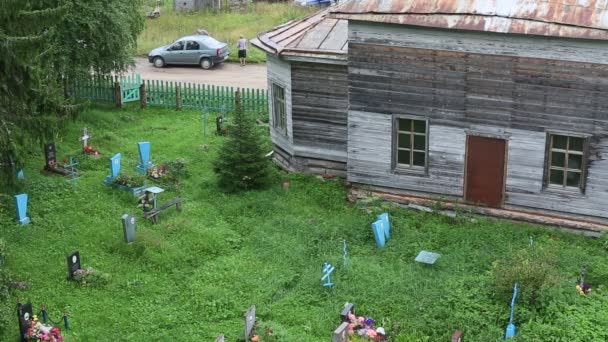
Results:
[52, 167]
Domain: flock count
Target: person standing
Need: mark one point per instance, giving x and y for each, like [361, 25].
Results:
[241, 45]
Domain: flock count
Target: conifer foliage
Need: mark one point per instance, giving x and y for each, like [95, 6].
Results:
[241, 164]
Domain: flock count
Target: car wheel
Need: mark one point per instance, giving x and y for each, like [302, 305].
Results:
[159, 62]
[206, 63]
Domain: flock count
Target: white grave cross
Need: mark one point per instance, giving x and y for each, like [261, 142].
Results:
[85, 137]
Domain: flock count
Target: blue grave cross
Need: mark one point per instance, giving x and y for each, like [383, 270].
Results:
[327, 270]
[144, 157]
[21, 206]
[72, 171]
[510, 333]
[20, 175]
[531, 241]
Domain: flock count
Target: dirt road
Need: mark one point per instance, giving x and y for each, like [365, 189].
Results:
[226, 74]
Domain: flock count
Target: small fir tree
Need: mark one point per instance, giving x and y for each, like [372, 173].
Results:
[241, 164]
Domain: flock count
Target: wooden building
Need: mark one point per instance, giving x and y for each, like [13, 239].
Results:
[498, 104]
[307, 83]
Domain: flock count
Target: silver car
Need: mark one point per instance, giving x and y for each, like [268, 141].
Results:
[198, 49]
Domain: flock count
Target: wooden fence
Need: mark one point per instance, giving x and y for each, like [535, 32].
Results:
[177, 95]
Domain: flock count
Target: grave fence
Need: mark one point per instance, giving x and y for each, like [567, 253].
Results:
[167, 94]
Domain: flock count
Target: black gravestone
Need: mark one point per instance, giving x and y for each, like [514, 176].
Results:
[24, 311]
[73, 264]
[249, 322]
[50, 155]
[129, 225]
[348, 308]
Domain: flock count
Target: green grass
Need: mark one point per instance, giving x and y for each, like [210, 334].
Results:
[192, 276]
[224, 26]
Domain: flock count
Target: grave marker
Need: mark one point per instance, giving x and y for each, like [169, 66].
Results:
[85, 138]
[387, 226]
[327, 270]
[220, 338]
[510, 333]
[114, 168]
[21, 207]
[20, 175]
[129, 226]
[379, 235]
[428, 258]
[73, 264]
[345, 255]
[144, 157]
[25, 315]
[249, 323]
[348, 309]
[341, 333]
[50, 155]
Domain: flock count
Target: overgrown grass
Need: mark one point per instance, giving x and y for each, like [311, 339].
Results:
[192, 276]
[224, 26]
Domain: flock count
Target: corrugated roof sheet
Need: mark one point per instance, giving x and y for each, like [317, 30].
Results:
[586, 19]
[314, 35]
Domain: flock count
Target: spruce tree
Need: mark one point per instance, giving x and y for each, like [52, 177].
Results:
[241, 164]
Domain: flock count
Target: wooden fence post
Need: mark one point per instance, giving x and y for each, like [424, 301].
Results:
[142, 95]
[117, 94]
[178, 97]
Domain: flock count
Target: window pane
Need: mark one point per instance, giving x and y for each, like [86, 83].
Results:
[405, 125]
[574, 179]
[404, 140]
[419, 158]
[556, 177]
[419, 126]
[560, 141]
[419, 142]
[575, 161]
[403, 157]
[576, 144]
[558, 159]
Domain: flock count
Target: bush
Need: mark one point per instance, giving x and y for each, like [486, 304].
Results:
[90, 277]
[532, 268]
[130, 181]
[5, 281]
[241, 164]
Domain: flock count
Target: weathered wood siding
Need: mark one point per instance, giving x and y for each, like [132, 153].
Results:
[319, 110]
[473, 83]
[279, 72]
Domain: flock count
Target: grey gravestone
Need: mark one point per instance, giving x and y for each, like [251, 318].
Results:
[428, 258]
[50, 155]
[24, 311]
[341, 334]
[348, 308]
[249, 322]
[129, 225]
[457, 336]
[220, 338]
[73, 264]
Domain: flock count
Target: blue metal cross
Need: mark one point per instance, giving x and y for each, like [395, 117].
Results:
[345, 256]
[327, 270]
[510, 333]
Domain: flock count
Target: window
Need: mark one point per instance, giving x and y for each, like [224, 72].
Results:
[190, 45]
[177, 46]
[278, 107]
[410, 143]
[566, 161]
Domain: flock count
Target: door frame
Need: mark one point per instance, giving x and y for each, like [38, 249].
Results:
[506, 138]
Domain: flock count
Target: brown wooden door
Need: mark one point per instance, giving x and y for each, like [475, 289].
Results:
[485, 174]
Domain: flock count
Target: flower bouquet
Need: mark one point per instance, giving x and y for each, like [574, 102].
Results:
[157, 172]
[88, 150]
[363, 328]
[583, 290]
[41, 332]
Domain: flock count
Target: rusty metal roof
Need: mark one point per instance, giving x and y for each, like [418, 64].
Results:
[585, 19]
[315, 36]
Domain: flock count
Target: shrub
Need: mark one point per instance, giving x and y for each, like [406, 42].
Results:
[90, 277]
[130, 181]
[241, 164]
[532, 268]
[5, 281]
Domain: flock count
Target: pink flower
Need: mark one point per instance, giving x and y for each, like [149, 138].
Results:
[371, 333]
[361, 320]
[351, 317]
[351, 331]
[351, 326]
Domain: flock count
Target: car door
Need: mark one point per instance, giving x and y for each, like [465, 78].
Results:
[192, 52]
[175, 53]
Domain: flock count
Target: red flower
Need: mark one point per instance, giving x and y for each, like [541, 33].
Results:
[65, 161]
